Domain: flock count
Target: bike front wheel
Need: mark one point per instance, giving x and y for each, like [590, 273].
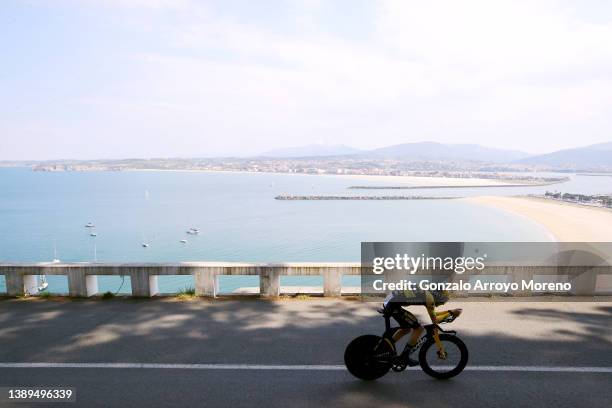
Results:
[443, 365]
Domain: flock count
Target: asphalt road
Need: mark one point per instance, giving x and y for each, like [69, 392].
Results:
[294, 333]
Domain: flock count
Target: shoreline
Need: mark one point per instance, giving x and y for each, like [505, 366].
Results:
[411, 181]
[566, 222]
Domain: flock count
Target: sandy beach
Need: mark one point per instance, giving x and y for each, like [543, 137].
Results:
[567, 222]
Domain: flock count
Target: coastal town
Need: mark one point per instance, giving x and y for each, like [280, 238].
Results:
[515, 174]
[596, 200]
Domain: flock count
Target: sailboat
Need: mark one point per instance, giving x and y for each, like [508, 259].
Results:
[42, 283]
[55, 258]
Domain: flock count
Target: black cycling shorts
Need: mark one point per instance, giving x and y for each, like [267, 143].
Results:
[405, 319]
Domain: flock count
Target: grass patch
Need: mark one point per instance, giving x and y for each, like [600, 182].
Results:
[44, 294]
[108, 295]
[188, 292]
[295, 296]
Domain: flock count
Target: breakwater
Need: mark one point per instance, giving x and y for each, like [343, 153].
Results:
[441, 186]
[367, 197]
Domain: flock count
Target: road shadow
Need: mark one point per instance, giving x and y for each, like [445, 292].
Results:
[311, 332]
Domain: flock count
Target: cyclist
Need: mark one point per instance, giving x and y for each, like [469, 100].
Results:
[408, 322]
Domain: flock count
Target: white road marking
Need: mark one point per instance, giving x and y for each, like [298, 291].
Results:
[541, 369]
[313, 367]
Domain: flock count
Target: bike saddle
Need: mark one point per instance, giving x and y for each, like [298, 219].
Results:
[453, 315]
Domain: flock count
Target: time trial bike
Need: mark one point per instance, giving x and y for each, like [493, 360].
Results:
[441, 354]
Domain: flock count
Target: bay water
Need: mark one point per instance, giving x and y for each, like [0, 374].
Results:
[43, 216]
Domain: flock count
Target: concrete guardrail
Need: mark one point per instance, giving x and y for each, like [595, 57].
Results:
[82, 277]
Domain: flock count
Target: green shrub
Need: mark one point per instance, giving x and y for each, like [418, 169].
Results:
[108, 295]
[186, 293]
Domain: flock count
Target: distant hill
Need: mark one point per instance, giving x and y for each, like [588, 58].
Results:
[407, 151]
[313, 150]
[439, 151]
[593, 156]
[588, 157]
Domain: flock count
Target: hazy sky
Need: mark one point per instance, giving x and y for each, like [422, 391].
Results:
[141, 78]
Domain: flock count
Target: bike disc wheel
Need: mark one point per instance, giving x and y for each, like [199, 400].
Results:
[363, 357]
[443, 368]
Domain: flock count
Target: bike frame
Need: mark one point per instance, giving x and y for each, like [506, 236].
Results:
[431, 330]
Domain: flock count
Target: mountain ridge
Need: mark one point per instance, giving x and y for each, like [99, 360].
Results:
[591, 156]
[416, 151]
[596, 155]
[440, 151]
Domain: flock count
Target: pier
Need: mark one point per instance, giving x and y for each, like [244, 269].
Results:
[430, 187]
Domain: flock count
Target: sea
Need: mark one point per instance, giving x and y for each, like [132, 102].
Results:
[43, 217]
